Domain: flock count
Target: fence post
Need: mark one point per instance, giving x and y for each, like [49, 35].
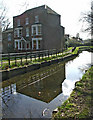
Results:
[9, 59]
[26, 58]
[39, 56]
[56, 52]
[15, 60]
[62, 51]
[21, 59]
[48, 53]
[31, 56]
[51, 53]
[42, 55]
[35, 56]
[45, 54]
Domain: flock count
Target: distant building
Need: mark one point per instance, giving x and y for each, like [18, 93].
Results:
[67, 37]
[38, 29]
[7, 41]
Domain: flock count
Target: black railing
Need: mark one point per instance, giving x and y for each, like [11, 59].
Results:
[24, 58]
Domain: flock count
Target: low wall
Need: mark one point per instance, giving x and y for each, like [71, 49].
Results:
[18, 71]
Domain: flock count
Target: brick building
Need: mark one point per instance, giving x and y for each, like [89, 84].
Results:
[38, 29]
[7, 41]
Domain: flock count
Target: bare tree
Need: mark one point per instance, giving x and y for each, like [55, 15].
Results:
[4, 20]
[88, 19]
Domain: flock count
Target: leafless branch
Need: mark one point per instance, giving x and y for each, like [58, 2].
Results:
[88, 19]
[3, 17]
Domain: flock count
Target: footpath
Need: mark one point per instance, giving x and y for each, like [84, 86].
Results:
[79, 106]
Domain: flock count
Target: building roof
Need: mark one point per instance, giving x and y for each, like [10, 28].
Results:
[43, 7]
[8, 30]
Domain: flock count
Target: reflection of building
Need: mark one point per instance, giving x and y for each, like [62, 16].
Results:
[7, 40]
[32, 101]
[48, 88]
[38, 29]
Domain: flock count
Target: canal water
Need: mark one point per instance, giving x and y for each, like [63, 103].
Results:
[36, 94]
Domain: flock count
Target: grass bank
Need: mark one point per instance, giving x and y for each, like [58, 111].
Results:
[80, 103]
[28, 61]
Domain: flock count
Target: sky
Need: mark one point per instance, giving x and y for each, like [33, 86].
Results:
[70, 11]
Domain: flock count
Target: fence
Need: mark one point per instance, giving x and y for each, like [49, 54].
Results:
[16, 59]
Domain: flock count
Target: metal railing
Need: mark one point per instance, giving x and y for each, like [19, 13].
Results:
[24, 58]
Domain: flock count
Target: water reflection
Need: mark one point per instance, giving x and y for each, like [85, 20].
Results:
[33, 89]
[47, 85]
[36, 94]
[74, 71]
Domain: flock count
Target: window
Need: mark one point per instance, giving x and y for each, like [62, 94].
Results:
[9, 37]
[9, 45]
[28, 45]
[38, 44]
[27, 21]
[18, 22]
[18, 32]
[36, 19]
[39, 30]
[34, 44]
[15, 33]
[23, 44]
[20, 44]
[36, 29]
[27, 32]
[16, 44]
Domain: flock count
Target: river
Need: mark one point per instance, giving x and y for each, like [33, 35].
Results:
[36, 94]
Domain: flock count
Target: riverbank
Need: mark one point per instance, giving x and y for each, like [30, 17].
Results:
[80, 103]
[9, 73]
[12, 71]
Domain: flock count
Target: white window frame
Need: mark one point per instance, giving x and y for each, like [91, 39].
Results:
[27, 21]
[18, 22]
[36, 26]
[20, 42]
[9, 36]
[37, 47]
[17, 31]
[36, 19]
[27, 31]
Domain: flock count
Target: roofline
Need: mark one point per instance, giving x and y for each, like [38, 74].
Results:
[36, 8]
[8, 30]
[29, 10]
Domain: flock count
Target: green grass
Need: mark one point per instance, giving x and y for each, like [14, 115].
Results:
[79, 103]
[76, 50]
[29, 62]
[37, 60]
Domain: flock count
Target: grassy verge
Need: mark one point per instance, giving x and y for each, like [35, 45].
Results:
[76, 50]
[80, 103]
[5, 64]
[34, 61]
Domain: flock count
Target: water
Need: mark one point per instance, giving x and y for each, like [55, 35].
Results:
[36, 94]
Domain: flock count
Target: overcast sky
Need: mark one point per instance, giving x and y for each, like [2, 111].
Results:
[70, 11]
